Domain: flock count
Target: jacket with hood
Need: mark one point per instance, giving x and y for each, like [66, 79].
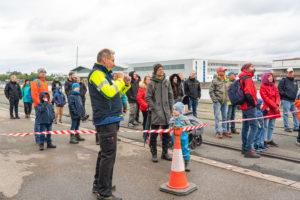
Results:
[68, 86]
[54, 85]
[141, 97]
[13, 91]
[288, 89]
[45, 112]
[59, 98]
[218, 90]
[270, 95]
[176, 87]
[159, 96]
[192, 88]
[132, 92]
[259, 113]
[249, 90]
[38, 87]
[25, 91]
[76, 108]
[297, 104]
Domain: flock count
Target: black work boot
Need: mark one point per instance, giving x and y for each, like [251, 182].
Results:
[41, 147]
[73, 140]
[187, 165]
[166, 156]
[78, 138]
[154, 153]
[95, 188]
[50, 145]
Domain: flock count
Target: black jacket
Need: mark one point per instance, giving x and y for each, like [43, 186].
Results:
[288, 89]
[68, 86]
[13, 91]
[132, 92]
[82, 90]
[76, 108]
[192, 88]
[54, 85]
[45, 111]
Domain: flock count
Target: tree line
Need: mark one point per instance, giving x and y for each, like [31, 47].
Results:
[31, 76]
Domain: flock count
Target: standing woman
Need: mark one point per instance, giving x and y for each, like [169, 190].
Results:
[141, 99]
[27, 102]
[271, 97]
[176, 87]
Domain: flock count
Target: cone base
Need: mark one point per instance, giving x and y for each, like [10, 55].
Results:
[179, 192]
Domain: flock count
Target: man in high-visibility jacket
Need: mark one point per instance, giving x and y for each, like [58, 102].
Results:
[107, 114]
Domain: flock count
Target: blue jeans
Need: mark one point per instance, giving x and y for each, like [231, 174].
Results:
[36, 126]
[269, 125]
[75, 125]
[287, 107]
[193, 104]
[45, 127]
[218, 107]
[248, 136]
[231, 116]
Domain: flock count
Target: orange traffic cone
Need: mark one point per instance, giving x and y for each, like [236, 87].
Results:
[178, 184]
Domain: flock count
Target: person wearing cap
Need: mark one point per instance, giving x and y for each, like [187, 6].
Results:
[159, 96]
[248, 110]
[37, 86]
[219, 95]
[13, 94]
[231, 108]
[288, 89]
[192, 89]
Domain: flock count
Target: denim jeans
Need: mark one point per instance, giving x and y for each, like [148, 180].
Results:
[218, 107]
[231, 116]
[193, 104]
[45, 127]
[287, 107]
[259, 137]
[269, 125]
[75, 125]
[36, 126]
[248, 136]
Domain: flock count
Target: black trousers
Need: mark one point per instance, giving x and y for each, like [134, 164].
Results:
[27, 108]
[137, 112]
[165, 140]
[106, 157]
[145, 114]
[13, 104]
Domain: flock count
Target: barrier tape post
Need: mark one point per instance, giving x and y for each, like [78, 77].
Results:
[178, 184]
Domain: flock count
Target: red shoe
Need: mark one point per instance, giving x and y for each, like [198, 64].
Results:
[218, 135]
[227, 135]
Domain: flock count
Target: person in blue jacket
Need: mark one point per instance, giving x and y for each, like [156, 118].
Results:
[77, 112]
[27, 102]
[60, 101]
[259, 137]
[45, 114]
[179, 119]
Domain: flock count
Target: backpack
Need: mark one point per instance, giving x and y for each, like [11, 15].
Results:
[235, 91]
[28, 95]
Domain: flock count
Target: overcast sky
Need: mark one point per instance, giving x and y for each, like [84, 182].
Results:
[37, 33]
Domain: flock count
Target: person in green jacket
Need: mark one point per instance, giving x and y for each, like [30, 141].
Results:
[27, 102]
[231, 108]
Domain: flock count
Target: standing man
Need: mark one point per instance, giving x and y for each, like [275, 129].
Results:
[107, 114]
[231, 108]
[13, 94]
[131, 96]
[192, 89]
[248, 110]
[219, 96]
[82, 90]
[37, 86]
[288, 89]
[68, 84]
[159, 96]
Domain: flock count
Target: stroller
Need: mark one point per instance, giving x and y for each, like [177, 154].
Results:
[195, 136]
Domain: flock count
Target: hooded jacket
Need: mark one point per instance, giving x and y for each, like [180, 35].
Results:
[288, 89]
[270, 95]
[76, 108]
[132, 92]
[141, 97]
[176, 87]
[159, 96]
[13, 91]
[218, 90]
[249, 90]
[25, 91]
[59, 98]
[192, 88]
[37, 88]
[45, 112]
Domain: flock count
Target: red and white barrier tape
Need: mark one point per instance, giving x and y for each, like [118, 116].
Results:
[67, 132]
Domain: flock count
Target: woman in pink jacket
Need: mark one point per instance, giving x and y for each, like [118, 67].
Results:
[271, 97]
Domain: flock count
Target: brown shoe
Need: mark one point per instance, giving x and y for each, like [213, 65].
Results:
[227, 135]
[218, 135]
[234, 131]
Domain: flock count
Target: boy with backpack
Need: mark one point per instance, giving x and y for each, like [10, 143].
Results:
[60, 101]
[45, 115]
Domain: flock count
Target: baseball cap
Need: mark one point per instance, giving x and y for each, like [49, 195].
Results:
[230, 73]
[290, 69]
[221, 69]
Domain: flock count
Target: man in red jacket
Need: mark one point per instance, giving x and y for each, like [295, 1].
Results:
[248, 110]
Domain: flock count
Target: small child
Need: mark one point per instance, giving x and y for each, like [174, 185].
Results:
[259, 137]
[180, 120]
[297, 104]
[60, 101]
[45, 115]
[77, 112]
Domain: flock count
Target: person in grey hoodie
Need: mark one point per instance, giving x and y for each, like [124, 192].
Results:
[159, 96]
